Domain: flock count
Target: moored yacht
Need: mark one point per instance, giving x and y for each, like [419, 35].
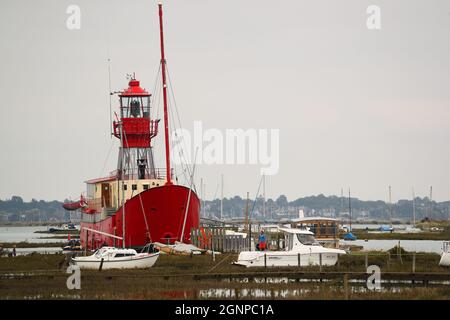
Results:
[302, 249]
[116, 258]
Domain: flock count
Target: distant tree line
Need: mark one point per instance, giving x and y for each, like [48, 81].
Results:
[15, 210]
[333, 206]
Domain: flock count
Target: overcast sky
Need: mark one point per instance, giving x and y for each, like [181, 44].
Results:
[355, 107]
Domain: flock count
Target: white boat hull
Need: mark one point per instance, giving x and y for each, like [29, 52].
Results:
[140, 261]
[286, 259]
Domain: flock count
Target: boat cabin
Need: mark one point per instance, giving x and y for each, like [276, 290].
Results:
[109, 193]
[112, 252]
[296, 238]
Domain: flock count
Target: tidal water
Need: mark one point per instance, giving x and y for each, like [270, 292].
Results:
[18, 234]
[27, 234]
[431, 246]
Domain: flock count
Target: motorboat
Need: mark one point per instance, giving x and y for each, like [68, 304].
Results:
[302, 249]
[445, 255]
[117, 258]
[67, 227]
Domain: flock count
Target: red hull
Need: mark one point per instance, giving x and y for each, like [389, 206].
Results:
[164, 209]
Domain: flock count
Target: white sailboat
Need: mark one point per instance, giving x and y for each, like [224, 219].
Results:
[116, 258]
[302, 249]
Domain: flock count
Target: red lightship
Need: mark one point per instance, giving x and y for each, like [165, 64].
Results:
[155, 209]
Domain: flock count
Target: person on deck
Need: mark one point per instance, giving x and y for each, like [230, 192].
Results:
[262, 241]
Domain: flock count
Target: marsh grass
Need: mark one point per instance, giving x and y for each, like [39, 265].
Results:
[171, 278]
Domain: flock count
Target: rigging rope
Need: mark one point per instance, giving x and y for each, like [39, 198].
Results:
[107, 158]
[256, 198]
[183, 142]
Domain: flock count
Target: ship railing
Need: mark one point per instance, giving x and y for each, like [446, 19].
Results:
[133, 174]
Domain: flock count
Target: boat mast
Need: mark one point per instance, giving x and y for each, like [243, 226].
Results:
[166, 116]
[201, 196]
[123, 185]
[221, 199]
[414, 207]
[390, 207]
[431, 199]
[246, 214]
[264, 196]
[350, 209]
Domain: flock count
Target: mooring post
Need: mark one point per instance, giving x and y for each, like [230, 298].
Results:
[414, 263]
[298, 258]
[278, 241]
[320, 262]
[85, 244]
[346, 286]
[101, 265]
[265, 260]
[367, 260]
[388, 259]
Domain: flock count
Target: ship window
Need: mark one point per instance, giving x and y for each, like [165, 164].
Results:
[307, 239]
[134, 187]
[153, 183]
[135, 108]
[124, 102]
[145, 186]
[119, 255]
[124, 187]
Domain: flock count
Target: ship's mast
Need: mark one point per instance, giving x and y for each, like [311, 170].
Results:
[390, 207]
[264, 196]
[221, 199]
[166, 116]
[123, 185]
[414, 207]
[350, 208]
